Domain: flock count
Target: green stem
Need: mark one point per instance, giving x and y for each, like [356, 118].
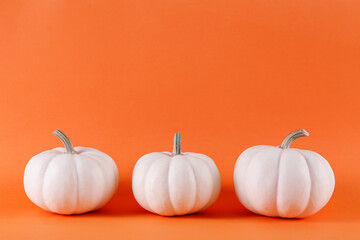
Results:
[66, 141]
[177, 144]
[292, 136]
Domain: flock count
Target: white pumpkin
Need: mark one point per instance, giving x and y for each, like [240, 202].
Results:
[282, 181]
[175, 183]
[74, 181]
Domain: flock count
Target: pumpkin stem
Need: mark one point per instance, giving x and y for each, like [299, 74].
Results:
[292, 136]
[66, 141]
[177, 144]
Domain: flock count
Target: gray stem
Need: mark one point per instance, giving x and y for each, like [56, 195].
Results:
[66, 141]
[177, 144]
[292, 136]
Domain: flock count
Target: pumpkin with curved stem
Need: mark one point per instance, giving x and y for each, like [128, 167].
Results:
[70, 180]
[283, 181]
[175, 183]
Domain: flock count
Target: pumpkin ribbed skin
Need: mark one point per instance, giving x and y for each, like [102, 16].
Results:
[71, 183]
[170, 185]
[289, 183]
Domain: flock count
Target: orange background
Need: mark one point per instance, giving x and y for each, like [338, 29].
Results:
[124, 76]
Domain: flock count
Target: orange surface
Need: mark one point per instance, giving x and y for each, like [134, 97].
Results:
[123, 76]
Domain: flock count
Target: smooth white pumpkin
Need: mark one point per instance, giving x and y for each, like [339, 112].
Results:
[175, 183]
[72, 180]
[282, 181]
